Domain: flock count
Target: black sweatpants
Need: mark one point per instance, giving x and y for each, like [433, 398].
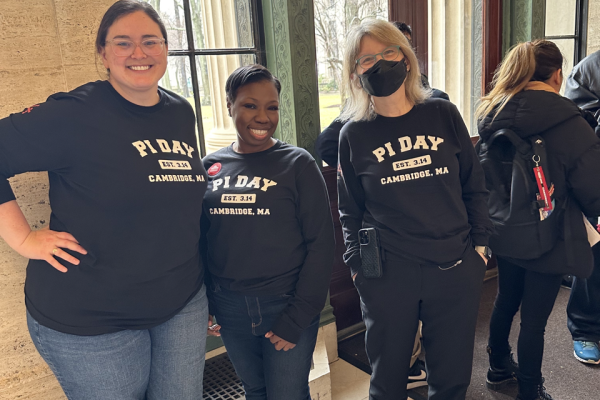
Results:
[535, 293]
[445, 300]
[583, 310]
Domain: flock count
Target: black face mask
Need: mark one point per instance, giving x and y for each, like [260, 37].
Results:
[384, 78]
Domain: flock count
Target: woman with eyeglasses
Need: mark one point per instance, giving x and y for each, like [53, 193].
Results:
[410, 182]
[114, 290]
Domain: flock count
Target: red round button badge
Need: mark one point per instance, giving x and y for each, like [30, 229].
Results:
[214, 169]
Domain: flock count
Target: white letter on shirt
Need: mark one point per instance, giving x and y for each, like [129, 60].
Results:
[405, 143]
[177, 147]
[420, 143]
[188, 148]
[379, 152]
[241, 181]
[434, 142]
[164, 146]
[267, 184]
[141, 147]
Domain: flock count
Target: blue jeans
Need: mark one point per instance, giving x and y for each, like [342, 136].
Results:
[162, 363]
[265, 372]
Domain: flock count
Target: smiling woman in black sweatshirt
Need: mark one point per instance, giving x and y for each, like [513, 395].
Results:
[270, 244]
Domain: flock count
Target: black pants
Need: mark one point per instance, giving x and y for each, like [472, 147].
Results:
[583, 310]
[535, 293]
[447, 301]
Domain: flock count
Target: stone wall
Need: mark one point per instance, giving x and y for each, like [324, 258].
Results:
[47, 46]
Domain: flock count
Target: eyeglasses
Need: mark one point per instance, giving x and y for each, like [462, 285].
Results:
[125, 48]
[389, 54]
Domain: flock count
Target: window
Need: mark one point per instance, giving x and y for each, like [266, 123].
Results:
[208, 39]
[593, 26]
[454, 55]
[565, 25]
[333, 20]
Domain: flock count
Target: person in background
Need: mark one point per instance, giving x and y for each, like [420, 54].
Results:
[326, 144]
[114, 290]
[407, 32]
[525, 99]
[409, 174]
[583, 310]
[270, 244]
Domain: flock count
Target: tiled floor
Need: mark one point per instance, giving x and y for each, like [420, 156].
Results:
[348, 382]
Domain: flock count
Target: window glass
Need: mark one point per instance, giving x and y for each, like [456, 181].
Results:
[560, 17]
[333, 20]
[178, 78]
[593, 27]
[217, 26]
[567, 48]
[209, 30]
[172, 15]
[218, 127]
[455, 54]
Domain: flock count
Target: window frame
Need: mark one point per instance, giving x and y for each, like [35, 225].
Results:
[258, 50]
[580, 35]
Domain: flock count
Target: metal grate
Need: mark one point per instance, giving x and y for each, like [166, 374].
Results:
[220, 380]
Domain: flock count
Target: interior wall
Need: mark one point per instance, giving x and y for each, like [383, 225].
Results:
[47, 46]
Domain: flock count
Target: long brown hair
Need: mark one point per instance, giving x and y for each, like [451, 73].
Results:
[525, 62]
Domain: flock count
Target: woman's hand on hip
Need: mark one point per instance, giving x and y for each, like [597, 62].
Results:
[48, 245]
[279, 343]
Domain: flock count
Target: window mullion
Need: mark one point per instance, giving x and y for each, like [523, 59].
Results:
[194, 72]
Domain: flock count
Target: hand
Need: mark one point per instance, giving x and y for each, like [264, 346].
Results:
[280, 344]
[213, 329]
[45, 244]
[354, 276]
[485, 260]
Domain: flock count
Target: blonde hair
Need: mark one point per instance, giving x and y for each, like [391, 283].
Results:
[358, 105]
[525, 62]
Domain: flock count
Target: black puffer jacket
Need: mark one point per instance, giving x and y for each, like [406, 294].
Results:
[574, 161]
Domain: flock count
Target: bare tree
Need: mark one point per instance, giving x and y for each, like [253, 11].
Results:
[181, 60]
[196, 9]
[333, 21]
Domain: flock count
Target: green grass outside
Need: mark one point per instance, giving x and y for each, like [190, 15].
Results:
[329, 108]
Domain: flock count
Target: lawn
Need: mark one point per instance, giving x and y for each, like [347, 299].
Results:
[329, 108]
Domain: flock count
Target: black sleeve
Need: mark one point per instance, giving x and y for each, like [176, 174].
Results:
[314, 216]
[472, 178]
[326, 145]
[578, 88]
[34, 140]
[584, 180]
[437, 93]
[351, 201]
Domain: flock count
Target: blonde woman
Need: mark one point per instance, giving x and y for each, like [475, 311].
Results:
[525, 99]
[409, 174]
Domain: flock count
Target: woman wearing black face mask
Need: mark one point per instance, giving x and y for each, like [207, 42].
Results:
[407, 170]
